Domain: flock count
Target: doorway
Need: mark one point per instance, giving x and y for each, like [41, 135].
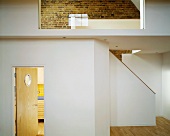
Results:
[29, 101]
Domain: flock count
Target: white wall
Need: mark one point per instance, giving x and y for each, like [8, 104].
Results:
[132, 103]
[20, 18]
[166, 85]
[149, 68]
[69, 83]
[102, 92]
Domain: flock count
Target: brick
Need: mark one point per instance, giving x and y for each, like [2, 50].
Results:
[96, 9]
[118, 53]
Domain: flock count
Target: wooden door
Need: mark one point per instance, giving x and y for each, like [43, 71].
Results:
[27, 108]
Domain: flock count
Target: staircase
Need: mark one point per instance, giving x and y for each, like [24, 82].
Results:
[132, 100]
[118, 55]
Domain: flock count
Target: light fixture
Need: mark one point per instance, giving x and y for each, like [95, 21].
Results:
[135, 51]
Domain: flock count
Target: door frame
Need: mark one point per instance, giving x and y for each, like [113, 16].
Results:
[14, 94]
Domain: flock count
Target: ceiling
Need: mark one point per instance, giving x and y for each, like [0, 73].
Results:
[147, 44]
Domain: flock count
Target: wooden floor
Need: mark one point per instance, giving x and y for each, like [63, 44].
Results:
[162, 129]
[40, 129]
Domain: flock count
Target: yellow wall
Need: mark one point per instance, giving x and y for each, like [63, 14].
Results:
[40, 89]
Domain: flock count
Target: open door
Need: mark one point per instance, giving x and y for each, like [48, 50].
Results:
[26, 102]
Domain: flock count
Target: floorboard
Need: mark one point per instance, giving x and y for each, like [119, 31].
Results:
[41, 129]
[162, 128]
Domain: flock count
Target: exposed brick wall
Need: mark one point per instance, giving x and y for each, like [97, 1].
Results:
[118, 53]
[55, 15]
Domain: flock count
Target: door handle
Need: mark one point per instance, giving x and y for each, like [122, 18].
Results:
[35, 105]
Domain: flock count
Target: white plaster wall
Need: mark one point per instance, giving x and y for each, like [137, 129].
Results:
[102, 92]
[166, 85]
[69, 83]
[149, 68]
[20, 18]
[132, 103]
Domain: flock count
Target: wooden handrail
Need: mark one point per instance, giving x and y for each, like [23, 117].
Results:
[136, 75]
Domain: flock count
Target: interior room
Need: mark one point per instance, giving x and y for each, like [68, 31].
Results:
[40, 101]
[95, 85]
